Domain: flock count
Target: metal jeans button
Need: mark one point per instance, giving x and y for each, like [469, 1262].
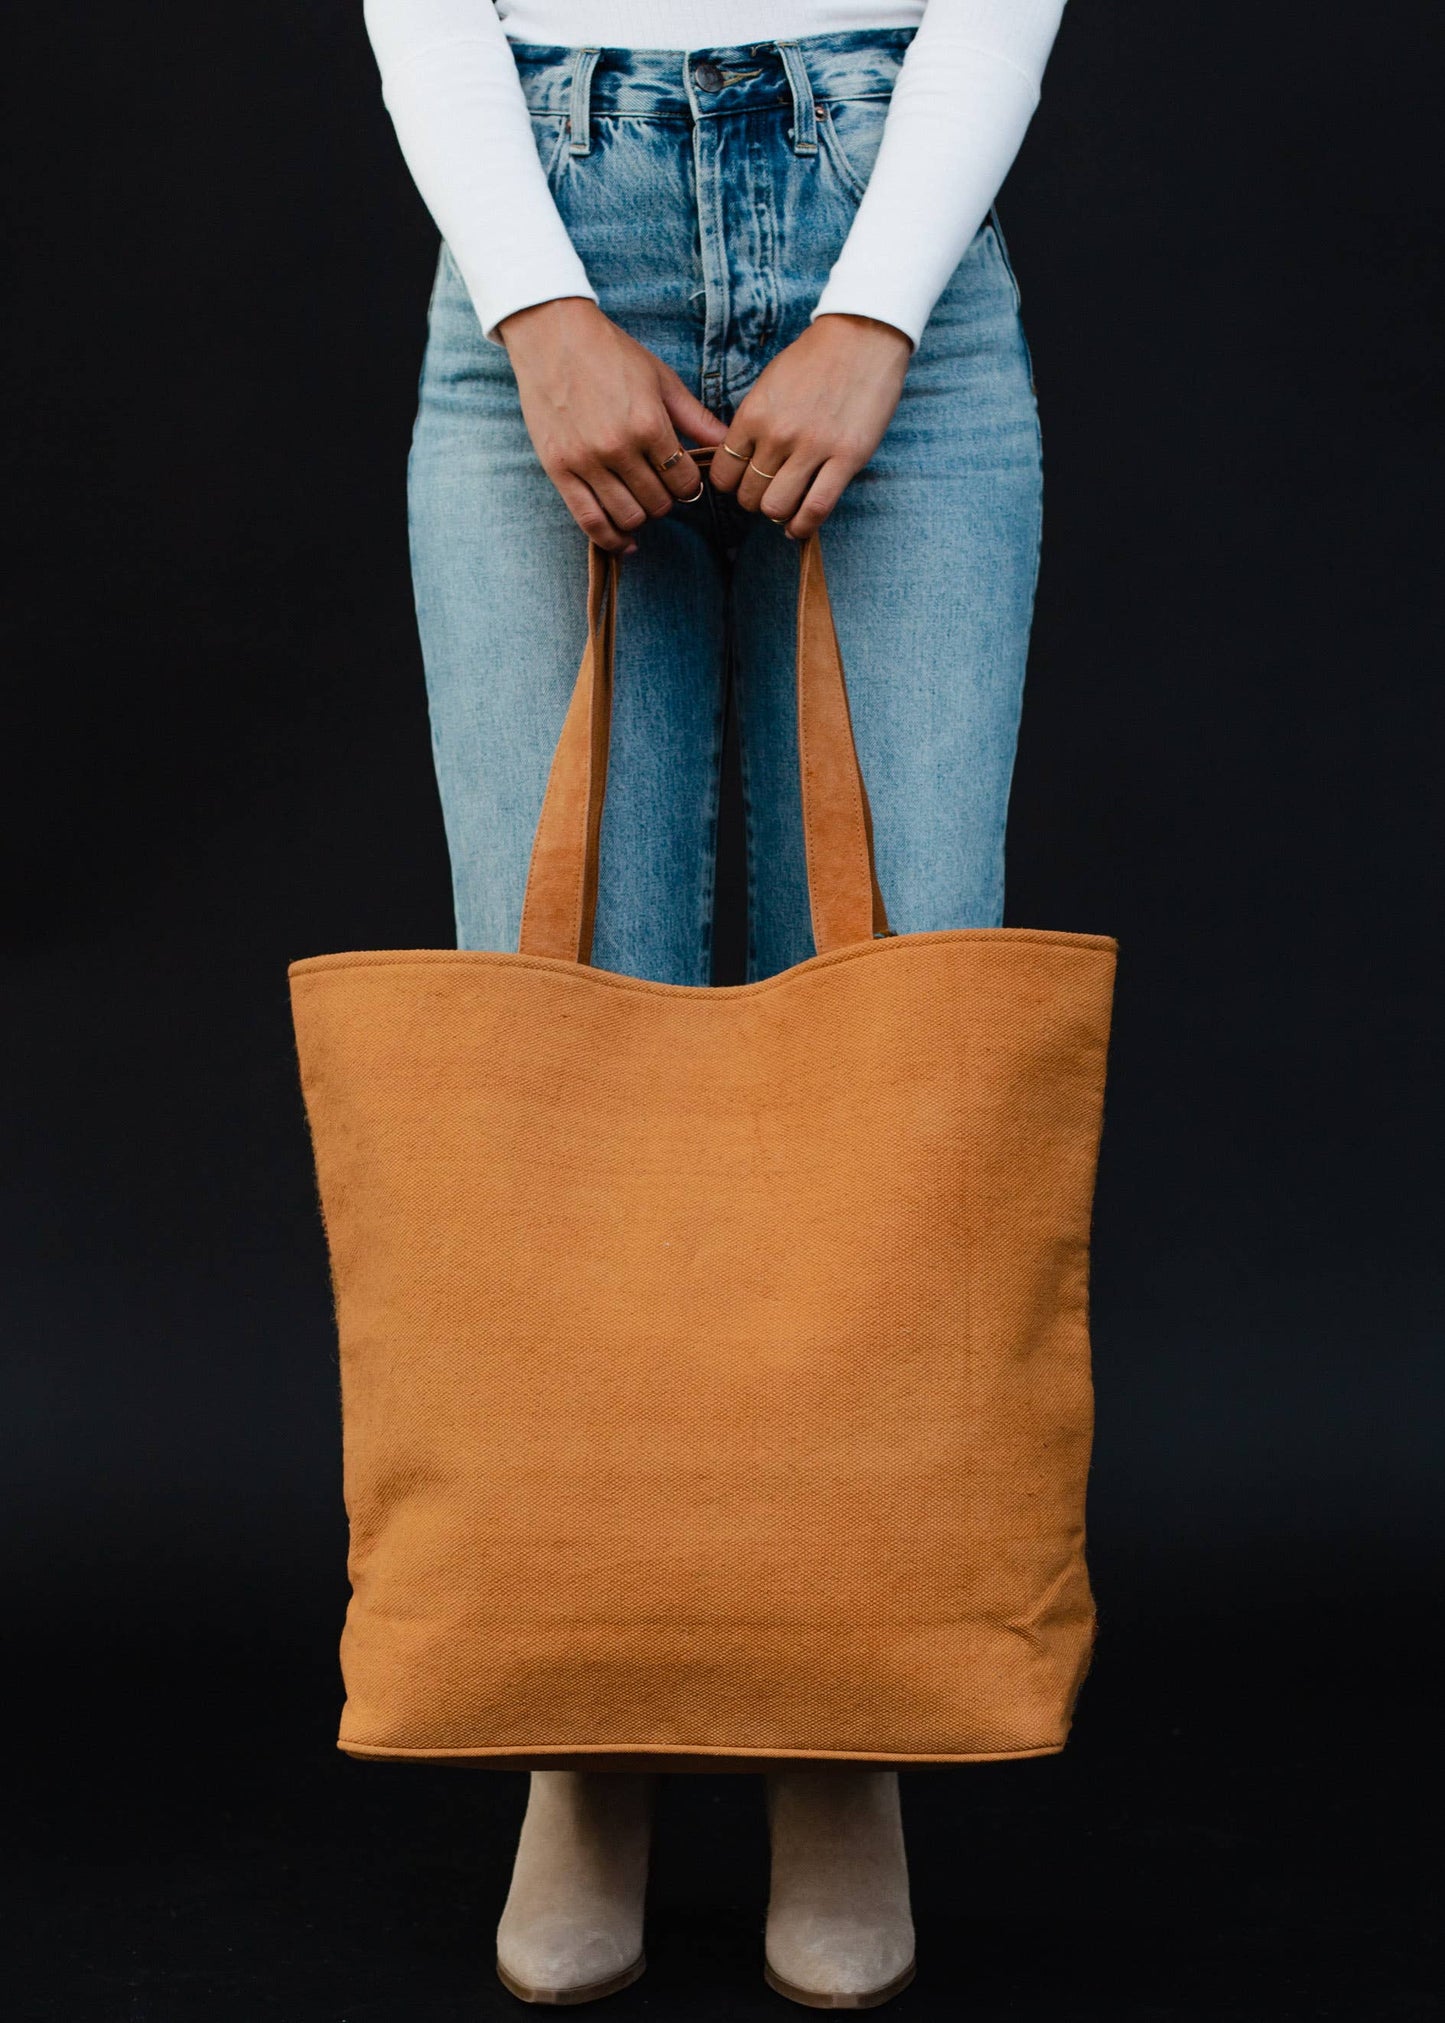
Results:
[708, 76]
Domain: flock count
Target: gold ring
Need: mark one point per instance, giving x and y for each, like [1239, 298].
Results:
[668, 462]
[769, 475]
[694, 497]
[729, 451]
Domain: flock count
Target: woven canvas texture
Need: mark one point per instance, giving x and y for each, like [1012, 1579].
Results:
[715, 1363]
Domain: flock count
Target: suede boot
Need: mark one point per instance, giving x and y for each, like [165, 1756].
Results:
[571, 1930]
[840, 1929]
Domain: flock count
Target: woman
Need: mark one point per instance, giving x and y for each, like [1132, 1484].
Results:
[761, 227]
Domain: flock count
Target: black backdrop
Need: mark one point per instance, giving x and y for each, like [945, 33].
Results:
[1230, 758]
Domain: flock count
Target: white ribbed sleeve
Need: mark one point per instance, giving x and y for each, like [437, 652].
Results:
[961, 106]
[965, 94]
[453, 93]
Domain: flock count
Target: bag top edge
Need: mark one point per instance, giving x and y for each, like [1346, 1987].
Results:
[888, 947]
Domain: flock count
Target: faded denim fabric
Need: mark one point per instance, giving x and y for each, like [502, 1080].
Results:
[709, 195]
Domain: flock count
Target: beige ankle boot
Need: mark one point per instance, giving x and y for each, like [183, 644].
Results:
[572, 1926]
[840, 1930]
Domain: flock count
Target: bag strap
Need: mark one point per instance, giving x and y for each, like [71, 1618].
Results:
[843, 893]
[560, 906]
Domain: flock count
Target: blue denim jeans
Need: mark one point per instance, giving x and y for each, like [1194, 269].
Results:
[709, 195]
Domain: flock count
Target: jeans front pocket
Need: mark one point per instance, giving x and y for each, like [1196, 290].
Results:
[549, 131]
[994, 228]
[851, 130]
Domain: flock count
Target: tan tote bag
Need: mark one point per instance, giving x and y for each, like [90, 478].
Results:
[715, 1361]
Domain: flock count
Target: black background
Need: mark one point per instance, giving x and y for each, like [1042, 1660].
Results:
[1231, 755]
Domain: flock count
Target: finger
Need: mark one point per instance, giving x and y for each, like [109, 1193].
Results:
[586, 509]
[731, 461]
[764, 466]
[782, 498]
[675, 470]
[617, 500]
[822, 496]
[687, 414]
[647, 484]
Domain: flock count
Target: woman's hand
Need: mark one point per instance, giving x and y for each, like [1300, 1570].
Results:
[813, 418]
[604, 413]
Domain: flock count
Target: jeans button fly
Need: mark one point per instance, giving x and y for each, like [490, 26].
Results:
[708, 76]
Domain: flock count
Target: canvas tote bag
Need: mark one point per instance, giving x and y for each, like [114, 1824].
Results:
[715, 1364]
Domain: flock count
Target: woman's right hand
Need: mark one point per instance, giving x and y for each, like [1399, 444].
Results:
[603, 413]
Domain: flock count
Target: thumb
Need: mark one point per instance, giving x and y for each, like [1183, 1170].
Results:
[687, 414]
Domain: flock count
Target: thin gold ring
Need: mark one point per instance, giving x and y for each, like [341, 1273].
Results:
[693, 497]
[769, 475]
[729, 451]
[676, 458]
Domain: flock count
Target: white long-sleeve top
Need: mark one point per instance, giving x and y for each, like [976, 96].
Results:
[963, 99]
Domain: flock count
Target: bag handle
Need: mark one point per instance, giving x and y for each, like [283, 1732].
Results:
[560, 906]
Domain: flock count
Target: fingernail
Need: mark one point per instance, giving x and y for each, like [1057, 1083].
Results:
[630, 549]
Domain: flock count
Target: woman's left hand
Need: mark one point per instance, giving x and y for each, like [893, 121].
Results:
[812, 419]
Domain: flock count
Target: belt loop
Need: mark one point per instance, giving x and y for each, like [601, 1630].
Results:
[579, 102]
[805, 119]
